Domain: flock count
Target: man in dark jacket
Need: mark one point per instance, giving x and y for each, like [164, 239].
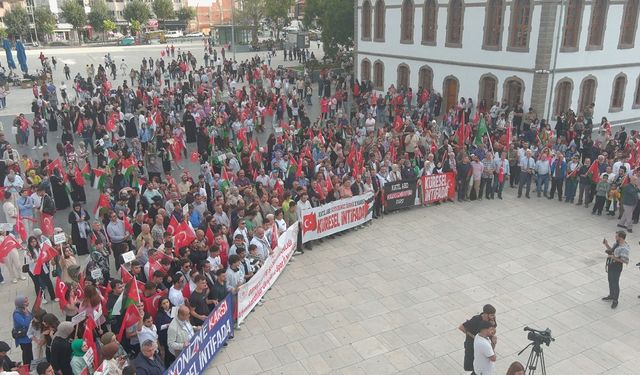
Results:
[147, 362]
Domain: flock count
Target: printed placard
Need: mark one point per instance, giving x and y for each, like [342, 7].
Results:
[128, 257]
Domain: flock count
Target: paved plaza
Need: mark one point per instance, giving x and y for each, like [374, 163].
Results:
[389, 297]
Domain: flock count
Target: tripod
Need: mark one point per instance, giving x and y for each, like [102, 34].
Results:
[536, 355]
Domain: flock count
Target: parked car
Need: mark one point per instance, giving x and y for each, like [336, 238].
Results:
[172, 34]
[127, 41]
[196, 34]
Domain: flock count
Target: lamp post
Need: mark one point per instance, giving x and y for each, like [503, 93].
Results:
[233, 29]
[555, 57]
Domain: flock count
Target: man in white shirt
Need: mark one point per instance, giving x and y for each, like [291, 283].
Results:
[484, 357]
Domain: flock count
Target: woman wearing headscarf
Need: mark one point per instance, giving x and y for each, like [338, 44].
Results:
[61, 349]
[163, 318]
[80, 228]
[60, 195]
[78, 350]
[21, 321]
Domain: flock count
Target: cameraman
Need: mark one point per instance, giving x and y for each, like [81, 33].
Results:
[617, 256]
[472, 327]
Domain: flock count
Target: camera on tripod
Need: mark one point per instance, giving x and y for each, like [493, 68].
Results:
[539, 337]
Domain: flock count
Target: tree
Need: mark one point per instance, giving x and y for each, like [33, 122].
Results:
[278, 13]
[99, 13]
[336, 19]
[250, 14]
[17, 22]
[163, 9]
[45, 20]
[137, 10]
[186, 14]
[109, 25]
[3, 33]
[74, 14]
[136, 26]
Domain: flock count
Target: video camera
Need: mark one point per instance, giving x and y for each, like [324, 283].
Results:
[539, 337]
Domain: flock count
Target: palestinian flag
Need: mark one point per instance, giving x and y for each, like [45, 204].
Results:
[138, 183]
[128, 166]
[129, 297]
[98, 179]
[482, 131]
[225, 183]
[86, 172]
[113, 158]
[103, 202]
[594, 172]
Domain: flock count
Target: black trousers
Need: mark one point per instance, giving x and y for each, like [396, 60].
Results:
[514, 175]
[27, 353]
[556, 183]
[468, 355]
[613, 273]
[119, 249]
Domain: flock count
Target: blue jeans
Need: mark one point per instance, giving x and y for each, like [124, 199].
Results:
[540, 180]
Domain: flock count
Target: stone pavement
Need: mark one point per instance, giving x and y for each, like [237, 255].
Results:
[389, 297]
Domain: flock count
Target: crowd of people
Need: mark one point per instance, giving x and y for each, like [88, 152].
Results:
[129, 141]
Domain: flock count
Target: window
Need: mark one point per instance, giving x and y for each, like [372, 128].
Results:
[403, 76]
[636, 99]
[454, 23]
[493, 24]
[378, 75]
[429, 22]
[587, 93]
[366, 20]
[629, 24]
[365, 70]
[425, 77]
[488, 88]
[406, 22]
[520, 25]
[563, 96]
[513, 91]
[378, 27]
[598, 21]
[617, 96]
[572, 18]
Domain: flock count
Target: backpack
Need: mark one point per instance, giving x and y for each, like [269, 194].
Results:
[48, 205]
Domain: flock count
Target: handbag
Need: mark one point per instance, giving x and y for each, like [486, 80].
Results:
[25, 268]
[19, 333]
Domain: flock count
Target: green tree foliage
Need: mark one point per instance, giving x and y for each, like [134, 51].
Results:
[73, 13]
[17, 21]
[251, 13]
[45, 20]
[99, 13]
[186, 14]
[278, 13]
[109, 25]
[163, 9]
[137, 10]
[136, 26]
[336, 19]
[3, 33]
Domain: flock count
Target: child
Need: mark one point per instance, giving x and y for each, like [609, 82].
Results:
[253, 257]
[613, 196]
[602, 187]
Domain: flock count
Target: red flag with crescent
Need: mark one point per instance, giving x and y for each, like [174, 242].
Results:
[46, 224]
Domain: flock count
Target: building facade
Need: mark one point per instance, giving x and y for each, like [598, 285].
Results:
[551, 55]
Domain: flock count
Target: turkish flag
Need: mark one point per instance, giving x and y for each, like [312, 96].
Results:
[56, 164]
[20, 229]
[46, 224]
[127, 225]
[9, 243]
[211, 239]
[183, 237]
[61, 291]
[154, 266]
[173, 225]
[46, 254]
[152, 303]
[87, 336]
[309, 222]
[131, 317]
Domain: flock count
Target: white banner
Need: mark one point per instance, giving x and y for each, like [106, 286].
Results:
[334, 217]
[250, 293]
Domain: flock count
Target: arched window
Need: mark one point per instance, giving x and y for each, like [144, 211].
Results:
[563, 96]
[617, 96]
[403, 76]
[636, 99]
[378, 26]
[429, 22]
[599, 10]
[513, 91]
[366, 20]
[450, 89]
[425, 78]
[520, 25]
[365, 70]
[587, 93]
[454, 23]
[493, 24]
[378, 75]
[406, 22]
[572, 23]
[488, 89]
[629, 24]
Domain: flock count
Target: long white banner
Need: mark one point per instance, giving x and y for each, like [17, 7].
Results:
[334, 217]
[250, 293]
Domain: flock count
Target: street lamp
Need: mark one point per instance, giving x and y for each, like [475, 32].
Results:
[233, 30]
[555, 57]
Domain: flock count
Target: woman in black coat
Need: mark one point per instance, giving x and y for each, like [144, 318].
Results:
[80, 229]
[163, 318]
[60, 195]
[189, 126]
[61, 349]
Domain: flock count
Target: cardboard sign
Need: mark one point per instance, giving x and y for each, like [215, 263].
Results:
[96, 274]
[128, 257]
[222, 157]
[78, 318]
[6, 227]
[88, 357]
[59, 238]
